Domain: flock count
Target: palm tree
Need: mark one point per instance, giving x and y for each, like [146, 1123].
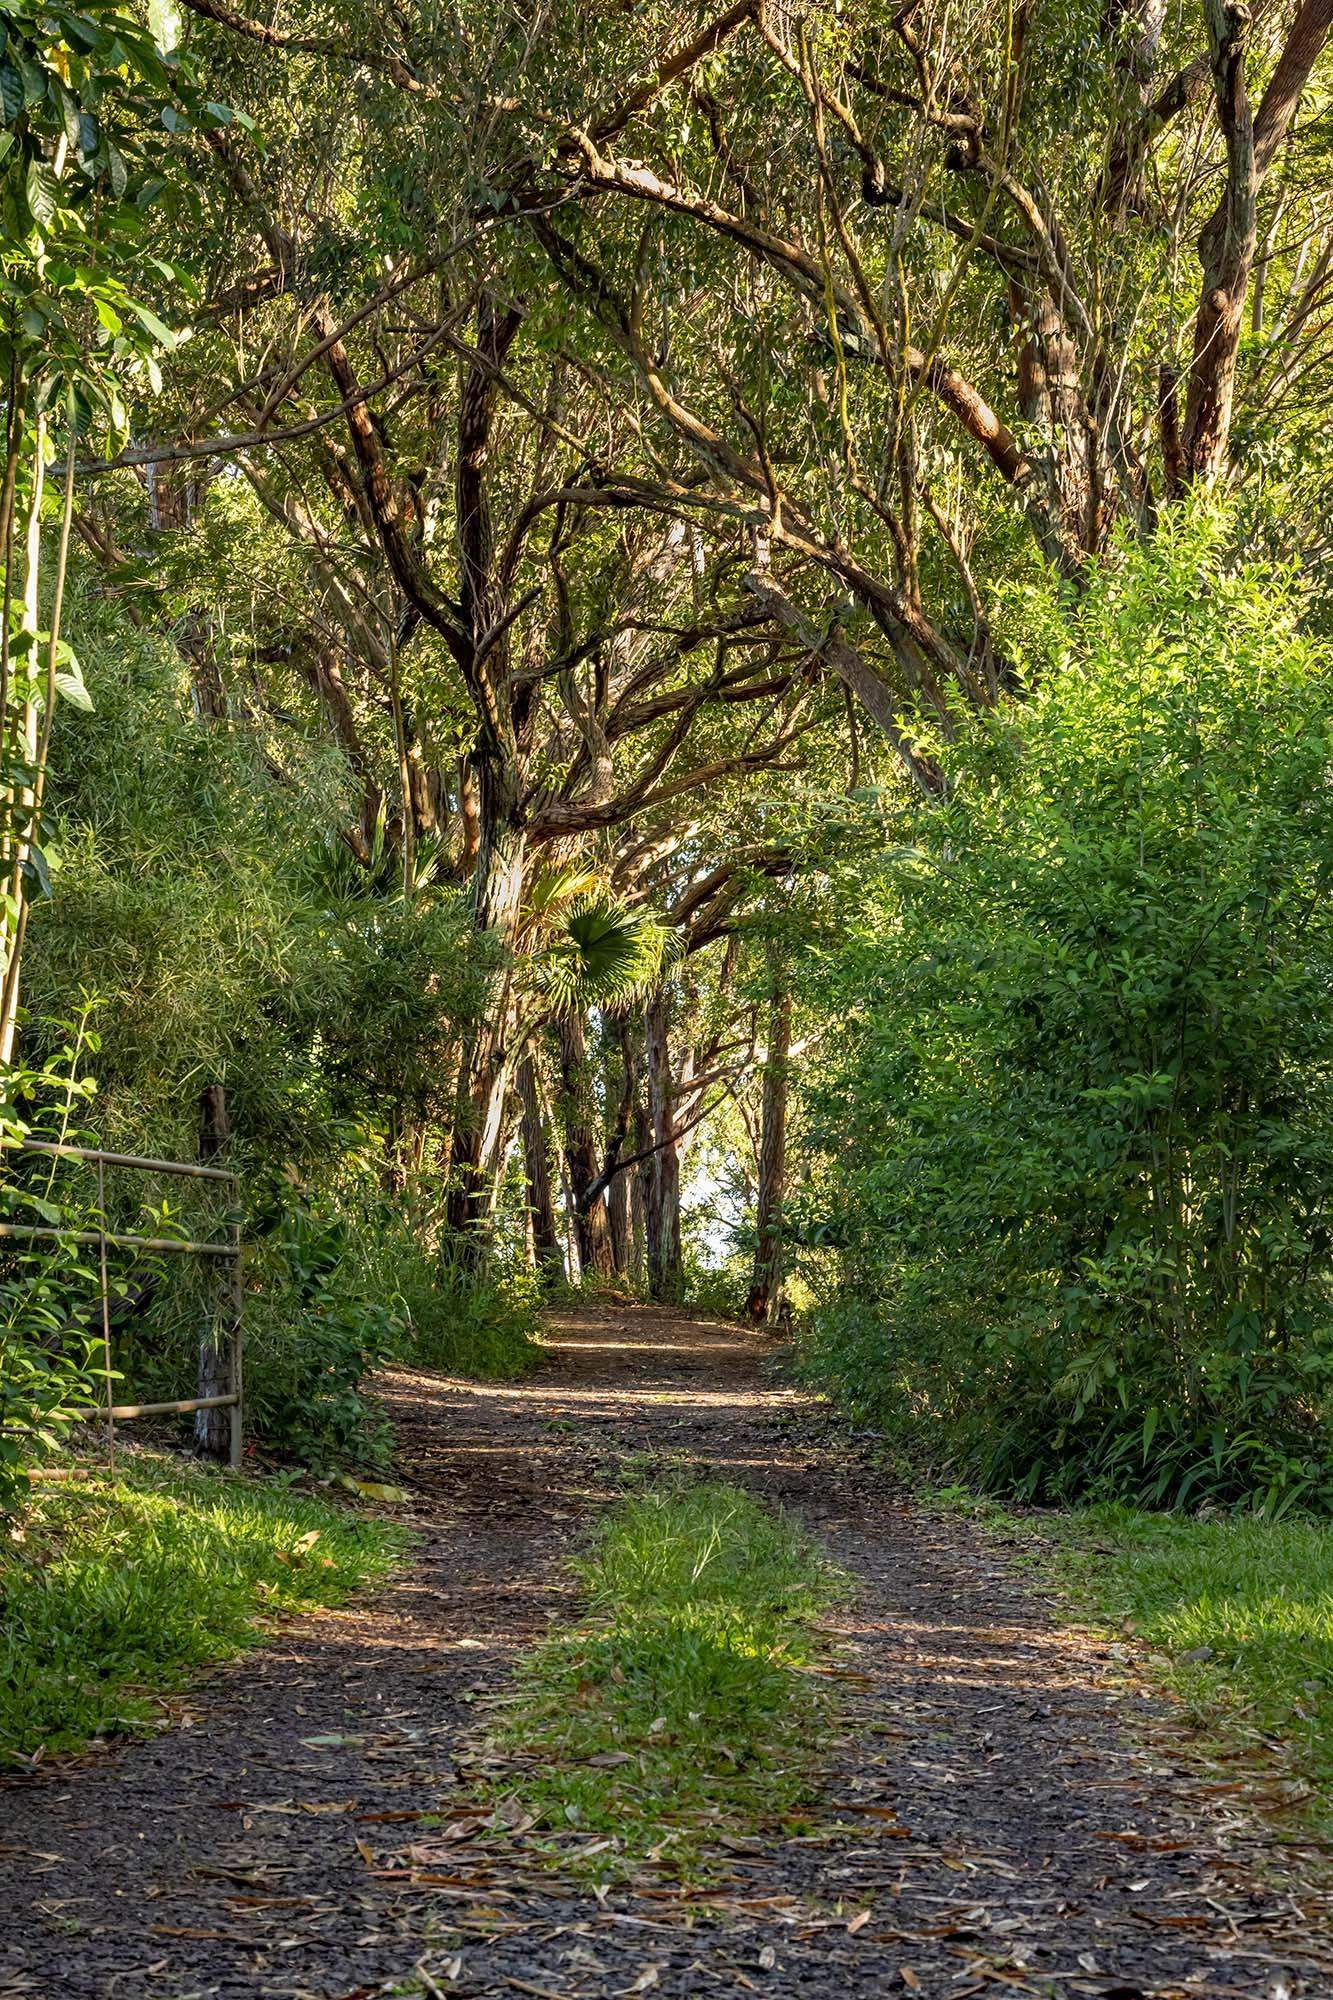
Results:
[585, 950]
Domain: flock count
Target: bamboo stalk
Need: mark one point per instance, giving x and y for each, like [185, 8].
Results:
[94, 1153]
[180, 1244]
[182, 1407]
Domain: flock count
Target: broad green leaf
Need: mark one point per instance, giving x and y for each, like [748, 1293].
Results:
[71, 686]
[43, 192]
[69, 115]
[11, 91]
[150, 321]
[116, 168]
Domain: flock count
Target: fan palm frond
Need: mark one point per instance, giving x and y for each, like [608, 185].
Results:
[554, 890]
[603, 954]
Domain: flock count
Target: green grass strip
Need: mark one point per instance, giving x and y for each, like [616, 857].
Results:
[1237, 1615]
[119, 1589]
[680, 1710]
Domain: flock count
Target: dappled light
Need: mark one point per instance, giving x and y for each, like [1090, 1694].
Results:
[769, 1673]
[666, 944]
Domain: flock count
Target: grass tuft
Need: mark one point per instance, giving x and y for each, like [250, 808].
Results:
[1236, 1615]
[119, 1588]
[680, 1707]
[1239, 1615]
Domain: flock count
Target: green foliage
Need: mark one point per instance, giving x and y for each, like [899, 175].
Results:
[48, 1329]
[342, 1285]
[719, 1289]
[455, 1317]
[1080, 1139]
[679, 1706]
[229, 943]
[120, 1587]
[88, 108]
[196, 892]
[1238, 1615]
[603, 955]
[316, 1333]
[590, 949]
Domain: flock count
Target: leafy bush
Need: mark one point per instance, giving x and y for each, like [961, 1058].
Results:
[49, 1329]
[719, 1290]
[1078, 1131]
[229, 937]
[336, 1285]
[449, 1314]
[313, 1335]
[234, 939]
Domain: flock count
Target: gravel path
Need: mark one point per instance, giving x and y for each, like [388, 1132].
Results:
[1010, 1819]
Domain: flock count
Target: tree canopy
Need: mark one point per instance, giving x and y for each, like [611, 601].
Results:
[665, 609]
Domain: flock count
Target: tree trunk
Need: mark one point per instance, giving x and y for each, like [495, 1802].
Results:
[487, 1065]
[764, 1303]
[662, 1183]
[618, 1195]
[548, 1256]
[1050, 394]
[592, 1225]
[640, 1176]
[1230, 237]
[496, 763]
[617, 1211]
[638, 1226]
[1226, 253]
[212, 1428]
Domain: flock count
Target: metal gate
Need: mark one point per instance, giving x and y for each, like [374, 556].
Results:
[227, 1251]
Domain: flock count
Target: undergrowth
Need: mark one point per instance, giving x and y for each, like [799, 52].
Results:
[114, 1589]
[482, 1328]
[681, 1708]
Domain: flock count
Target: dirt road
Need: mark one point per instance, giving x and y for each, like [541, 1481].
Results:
[1003, 1831]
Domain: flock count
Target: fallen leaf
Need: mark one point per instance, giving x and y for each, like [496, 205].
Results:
[373, 1489]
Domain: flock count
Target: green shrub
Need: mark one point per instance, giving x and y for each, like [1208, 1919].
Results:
[456, 1318]
[49, 1318]
[1077, 1124]
[313, 1336]
[234, 939]
[719, 1290]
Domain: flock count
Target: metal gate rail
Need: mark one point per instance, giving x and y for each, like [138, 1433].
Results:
[229, 1251]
